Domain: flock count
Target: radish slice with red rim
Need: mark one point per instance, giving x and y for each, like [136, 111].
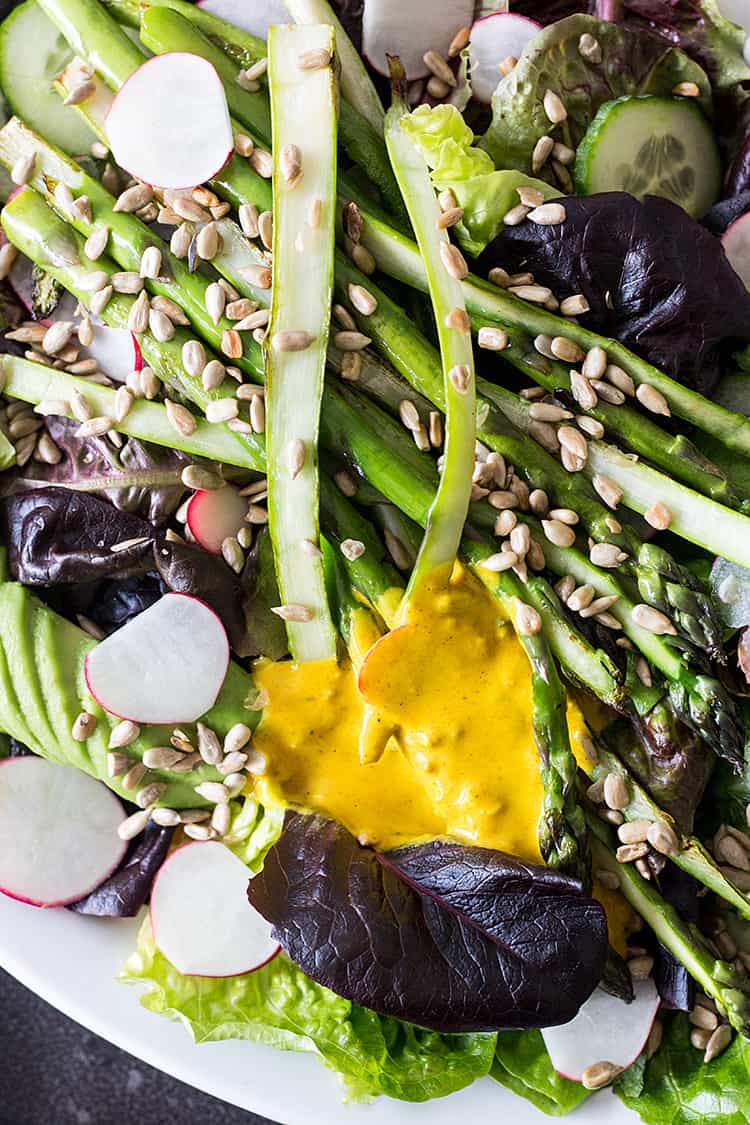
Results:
[255, 17]
[116, 351]
[606, 1029]
[58, 832]
[169, 123]
[736, 243]
[201, 918]
[409, 30]
[215, 515]
[166, 665]
[494, 38]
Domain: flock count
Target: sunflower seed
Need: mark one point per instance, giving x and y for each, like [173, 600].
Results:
[575, 305]
[258, 276]
[96, 427]
[449, 217]
[653, 620]
[237, 738]
[459, 41]
[189, 210]
[233, 554]
[139, 313]
[492, 339]
[516, 215]
[133, 198]
[84, 726]
[549, 214]
[221, 410]
[536, 294]
[362, 300]
[499, 562]
[257, 414]
[722, 1037]
[554, 108]
[180, 418]
[315, 59]
[291, 341]
[663, 838]
[615, 791]
[193, 357]
[620, 379]
[653, 400]
[161, 757]
[123, 733]
[732, 852]
[542, 151]
[160, 326]
[558, 533]
[293, 612]
[460, 378]
[351, 341]
[567, 350]
[528, 621]
[606, 555]
[610, 493]
[208, 242]
[180, 241]
[634, 831]
[133, 825]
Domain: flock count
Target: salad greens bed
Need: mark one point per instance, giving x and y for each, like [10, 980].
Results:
[171, 423]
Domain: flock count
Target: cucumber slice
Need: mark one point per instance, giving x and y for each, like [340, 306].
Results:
[32, 54]
[651, 146]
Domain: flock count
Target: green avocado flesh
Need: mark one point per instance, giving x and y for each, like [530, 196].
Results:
[651, 146]
[43, 689]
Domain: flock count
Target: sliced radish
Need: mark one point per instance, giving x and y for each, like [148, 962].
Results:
[409, 30]
[58, 832]
[201, 917]
[606, 1029]
[736, 243]
[169, 123]
[166, 665]
[494, 38]
[116, 350]
[255, 17]
[212, 516]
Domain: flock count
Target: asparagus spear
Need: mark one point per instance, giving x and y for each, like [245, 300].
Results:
[33, 382]
[720, 980]
[689, 854]
[447, 513]
[303, 104]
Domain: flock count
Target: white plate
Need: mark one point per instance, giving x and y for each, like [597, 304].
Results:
[72, 962]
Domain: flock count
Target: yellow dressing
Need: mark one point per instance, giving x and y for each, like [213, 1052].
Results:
[453, 687]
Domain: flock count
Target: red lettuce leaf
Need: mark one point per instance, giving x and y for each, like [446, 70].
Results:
[675, 300]
[446, 936]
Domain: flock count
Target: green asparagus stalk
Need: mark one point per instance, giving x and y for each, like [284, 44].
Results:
[356, 85]
[303, 104]
[148, 421]
[447, 514]
[689, 854]
[720, 980]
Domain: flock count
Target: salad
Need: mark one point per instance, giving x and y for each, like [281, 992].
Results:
[374, 529]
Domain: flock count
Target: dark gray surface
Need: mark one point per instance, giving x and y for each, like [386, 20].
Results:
[54, 1072]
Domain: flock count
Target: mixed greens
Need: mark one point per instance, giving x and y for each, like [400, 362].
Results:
[294, 348]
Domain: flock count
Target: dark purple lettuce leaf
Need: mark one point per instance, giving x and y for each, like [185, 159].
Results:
[115, 602]
[55, 535]
[724, 213]
[140, 478]
[17, 749]
[675, 299]
[190, 570]
[123, 894]
[445, 936]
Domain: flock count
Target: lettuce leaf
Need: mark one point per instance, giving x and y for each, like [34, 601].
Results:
[679, 1089]
[523, 1066]
[277, 1005]
[634, 64]
[485, 194]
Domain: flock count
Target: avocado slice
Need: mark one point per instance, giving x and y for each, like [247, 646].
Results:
[43, 687]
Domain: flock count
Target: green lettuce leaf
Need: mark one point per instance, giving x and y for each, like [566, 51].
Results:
[523, 1066]
[279, 1006]
[634, 63]
[678, 1088]
[485, 194]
